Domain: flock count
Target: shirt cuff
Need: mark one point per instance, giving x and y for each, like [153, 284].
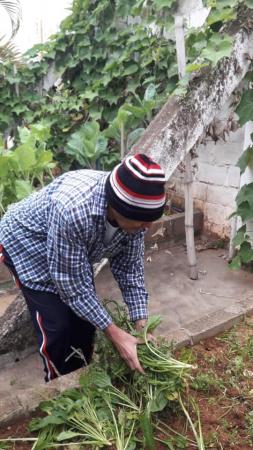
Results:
[139, 311]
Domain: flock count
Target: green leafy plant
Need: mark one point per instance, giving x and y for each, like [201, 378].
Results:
[26, 167]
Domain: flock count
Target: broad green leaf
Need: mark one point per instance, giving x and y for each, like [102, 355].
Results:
[245, 195]
[24, 134]
[245, 107]
[40, 131]
[65, 435]
[4, 167]
[246, 252]
[217, 48]
[129, 70]
[150, 92]
[245, 160]
[159, 402]
[194, 67]
[123, 116]
[23, 189]
[240, 237]
[134, 136]
[236, 263]
[25, 157]
[245, 211]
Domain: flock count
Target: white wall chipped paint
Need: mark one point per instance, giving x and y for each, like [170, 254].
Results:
[216, 181]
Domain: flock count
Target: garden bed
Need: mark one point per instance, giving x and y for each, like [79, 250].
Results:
[222, 386]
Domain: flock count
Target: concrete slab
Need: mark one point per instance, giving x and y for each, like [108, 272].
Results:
[178, 299]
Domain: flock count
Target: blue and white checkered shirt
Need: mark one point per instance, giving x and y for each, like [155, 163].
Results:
[55, 235]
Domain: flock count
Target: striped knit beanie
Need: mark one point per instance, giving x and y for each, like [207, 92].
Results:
[135, 189]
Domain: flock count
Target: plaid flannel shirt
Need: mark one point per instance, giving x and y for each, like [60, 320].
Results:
[55, 235]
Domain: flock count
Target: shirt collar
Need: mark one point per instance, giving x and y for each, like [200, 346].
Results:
[99, 207]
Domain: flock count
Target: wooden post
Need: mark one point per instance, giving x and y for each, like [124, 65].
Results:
[189, 228]
[122, 141]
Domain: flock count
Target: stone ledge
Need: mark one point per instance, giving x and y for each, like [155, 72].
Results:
[173, 227]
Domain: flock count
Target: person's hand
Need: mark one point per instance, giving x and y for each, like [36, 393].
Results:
[126, 344]
[139, 325]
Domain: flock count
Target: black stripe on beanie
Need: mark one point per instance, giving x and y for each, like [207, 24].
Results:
[125, 189]
[143, 187]
[129, 211]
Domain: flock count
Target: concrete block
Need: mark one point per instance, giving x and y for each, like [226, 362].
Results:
[228, 153]
[221, 195]
[214, 323]
[179, 338]
[207, 153]
[212, 174]
[233, 177]
[200, 191]
[215, 213]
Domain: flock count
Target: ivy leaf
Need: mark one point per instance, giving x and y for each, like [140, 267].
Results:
[217, 48]
[246, 252]
[23, 189]
[245, 160]
[245, 107]
[159, 4]
[221, 15]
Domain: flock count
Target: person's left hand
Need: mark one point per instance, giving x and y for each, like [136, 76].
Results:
[139, 325]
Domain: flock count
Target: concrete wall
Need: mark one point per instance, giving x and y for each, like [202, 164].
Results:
[216, 181]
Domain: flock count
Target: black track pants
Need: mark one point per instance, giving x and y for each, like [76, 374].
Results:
[62, 336]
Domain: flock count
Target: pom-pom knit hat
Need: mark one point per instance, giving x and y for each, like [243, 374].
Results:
[136, 189]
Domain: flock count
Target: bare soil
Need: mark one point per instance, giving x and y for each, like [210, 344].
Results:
[222, 386]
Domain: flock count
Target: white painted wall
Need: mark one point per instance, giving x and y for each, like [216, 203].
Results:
[216, 180]
[40, 19]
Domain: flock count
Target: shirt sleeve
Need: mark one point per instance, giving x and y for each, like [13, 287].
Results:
[70, 268]
[128, 270]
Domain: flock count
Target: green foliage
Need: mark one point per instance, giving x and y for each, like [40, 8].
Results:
[245, 160]
[217, 48]
[120, 410]
[107, 60]
[245, 107]
[26, 167]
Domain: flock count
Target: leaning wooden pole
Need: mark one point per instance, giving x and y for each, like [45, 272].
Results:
[189, 228]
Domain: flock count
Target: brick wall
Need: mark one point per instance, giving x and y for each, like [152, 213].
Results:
[216, 181]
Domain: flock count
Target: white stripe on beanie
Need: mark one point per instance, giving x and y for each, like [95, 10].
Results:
[132, 200]
[139, 175]
[148, 171]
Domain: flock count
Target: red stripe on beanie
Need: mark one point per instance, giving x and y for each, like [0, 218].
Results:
[135, 194]
[144, 163]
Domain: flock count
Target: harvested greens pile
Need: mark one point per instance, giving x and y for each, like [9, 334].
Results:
[117, 408]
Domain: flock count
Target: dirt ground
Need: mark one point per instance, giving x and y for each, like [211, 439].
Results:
[222, 386]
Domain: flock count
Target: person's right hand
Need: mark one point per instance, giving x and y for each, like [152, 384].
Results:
[126, 344]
